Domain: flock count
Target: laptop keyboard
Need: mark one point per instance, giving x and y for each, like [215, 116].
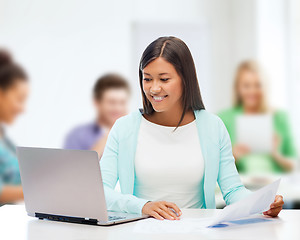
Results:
[114, 218]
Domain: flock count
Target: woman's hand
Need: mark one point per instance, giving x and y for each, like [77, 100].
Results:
[162, 210]
[275, 144]
[239, 150]
[275, 207]
[286, 163]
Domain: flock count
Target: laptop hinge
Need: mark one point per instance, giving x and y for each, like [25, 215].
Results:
[66, 218]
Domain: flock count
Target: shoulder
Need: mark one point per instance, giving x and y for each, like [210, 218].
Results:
[211, 126]
[208, 116]
[128, 120]
[127, 124]
[209, 120]
[80, 130]
[280, 114]
[281, 117]
[227, 113]
[5, 152]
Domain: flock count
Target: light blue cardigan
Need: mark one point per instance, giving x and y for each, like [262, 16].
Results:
[117, 162]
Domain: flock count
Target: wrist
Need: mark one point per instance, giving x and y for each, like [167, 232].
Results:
[143, 207]
[276, 155]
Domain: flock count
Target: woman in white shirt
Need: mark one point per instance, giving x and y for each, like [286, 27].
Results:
[162, 169]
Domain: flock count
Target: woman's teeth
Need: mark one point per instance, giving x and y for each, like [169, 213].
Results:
[158, 99]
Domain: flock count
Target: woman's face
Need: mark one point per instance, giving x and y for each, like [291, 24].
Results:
[162, 85]
[12, 101]
[249, 89]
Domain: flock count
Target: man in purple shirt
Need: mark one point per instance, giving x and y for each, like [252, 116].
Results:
[111, 95]
[84, 137]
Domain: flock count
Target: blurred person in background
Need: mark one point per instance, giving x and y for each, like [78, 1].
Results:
[250, 98]
[111, 96]
[13, 94]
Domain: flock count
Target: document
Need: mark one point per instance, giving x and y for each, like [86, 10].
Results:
[257, 202]
[256, 132]
[245, 211]
[192, 225]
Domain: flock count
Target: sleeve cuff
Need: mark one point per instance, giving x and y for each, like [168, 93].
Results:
[137, 205]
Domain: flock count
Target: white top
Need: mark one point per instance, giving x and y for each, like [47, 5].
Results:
[169, 165]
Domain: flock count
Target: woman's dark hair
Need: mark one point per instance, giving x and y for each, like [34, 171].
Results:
[109, 81]
[10, 72]
[176, 52]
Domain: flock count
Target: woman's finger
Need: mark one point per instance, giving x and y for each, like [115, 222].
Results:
[174, 206]
[278, 198]
[273, 212]
[164, 214]
[274, 209]
[277, 202]
[169, 211]
[156, 215]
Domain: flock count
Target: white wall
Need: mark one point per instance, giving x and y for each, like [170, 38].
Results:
[66, 44]
[272, 44]
[278, 40]
[293, 68]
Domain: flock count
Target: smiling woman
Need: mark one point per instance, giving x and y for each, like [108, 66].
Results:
[170, 154]
[168, 78]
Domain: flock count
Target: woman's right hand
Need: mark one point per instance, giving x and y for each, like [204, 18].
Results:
[239, 150]
[162, 210]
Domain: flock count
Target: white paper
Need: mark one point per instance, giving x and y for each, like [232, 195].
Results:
[255, 131]
[257, 202]
[192, 225]
[185, 225]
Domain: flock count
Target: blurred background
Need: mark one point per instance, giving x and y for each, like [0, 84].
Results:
[66, 45]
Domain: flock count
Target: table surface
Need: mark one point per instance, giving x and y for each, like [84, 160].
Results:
[15, 224]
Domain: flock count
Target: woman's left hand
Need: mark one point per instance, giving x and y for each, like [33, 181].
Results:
[275, 207]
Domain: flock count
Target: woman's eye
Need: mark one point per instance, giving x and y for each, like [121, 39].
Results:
[164, 79]
[147, 79]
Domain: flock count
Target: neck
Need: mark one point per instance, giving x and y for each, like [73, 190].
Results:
[171, 118]
[103, 122]
[251, 109]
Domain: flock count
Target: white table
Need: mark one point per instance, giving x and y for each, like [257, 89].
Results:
[15, 224]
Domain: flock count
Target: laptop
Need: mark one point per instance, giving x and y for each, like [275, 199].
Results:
[66, 185]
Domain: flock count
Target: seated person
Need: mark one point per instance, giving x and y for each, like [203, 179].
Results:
[171, 153]
[111, 95]
[13, 93]
[250, 98]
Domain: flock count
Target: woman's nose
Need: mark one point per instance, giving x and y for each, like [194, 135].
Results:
[155, 88]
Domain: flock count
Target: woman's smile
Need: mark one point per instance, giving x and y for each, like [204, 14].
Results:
[158, 98]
